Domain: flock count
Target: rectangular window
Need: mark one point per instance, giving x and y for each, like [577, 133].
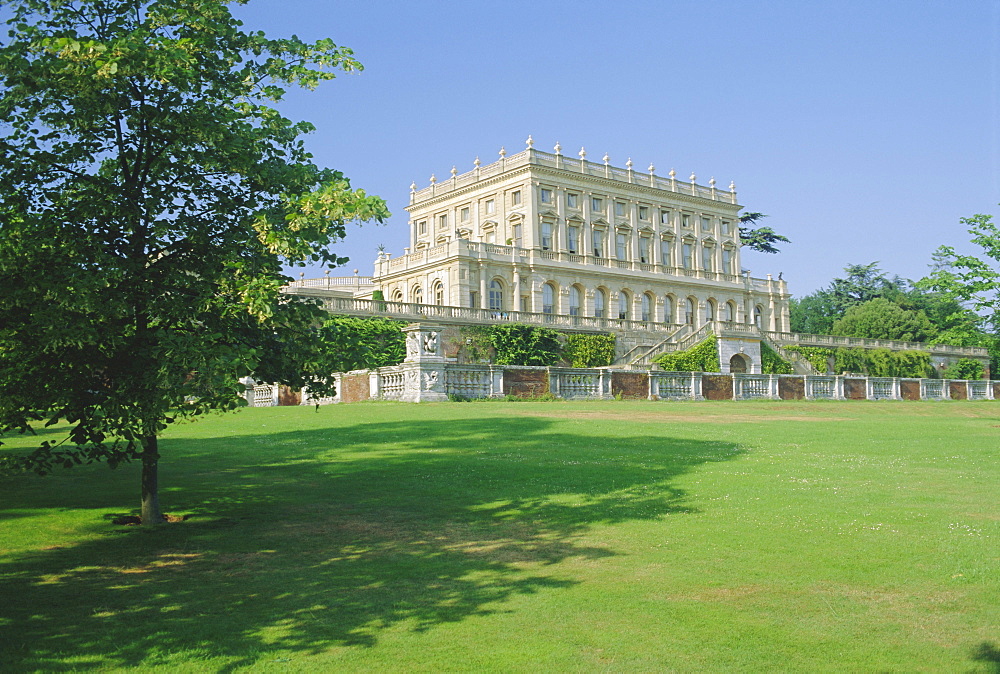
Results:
[644, 212]
[706, 258]
[491, 206]
[644, 249]
[685, 220]
[515, 198]
[546, 196]
[621, 243]
[596, 205]
[517, 235]
[546, 235]
[666, 253]
[727, 261]
[571, 201]
[573, 239]
[619, 209]
[686, 248]
[725, 227]
[665, 217]
[598, 243]
[422, 227]
[442, 221]
[465, 214]
[491, 236]
[706, 223]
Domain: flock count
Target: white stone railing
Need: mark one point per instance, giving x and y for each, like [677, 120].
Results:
[753, 386]
[675, 385]
[474, 381]
[339, 282]
[576, 383]
[786, 339]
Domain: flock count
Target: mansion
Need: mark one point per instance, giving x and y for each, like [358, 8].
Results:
[547, 234]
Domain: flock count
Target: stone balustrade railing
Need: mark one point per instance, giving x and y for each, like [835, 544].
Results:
[786, 339]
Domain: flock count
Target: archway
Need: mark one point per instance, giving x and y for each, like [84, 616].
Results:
[737, 364]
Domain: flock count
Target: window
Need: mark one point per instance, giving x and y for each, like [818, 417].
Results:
[600, 300]
[465, 214]
[706, 258]
[598, 243]
[417, 295]
[439, 294]
[571, 201]
[689, 311]
[686, 250]
[496, 296]
[665, 217]
[597, 205]
[685, 220]
[491, 236]
[644, 212]
[546, 196]
[706, 223]
[546, 235]
[647, 314]
[725, 227]
[710, 311]
[623, 305]
[517, 235]
[573, 239]
[442, 221]
[574, 301]
[730, 313]
[515, 198]
[758, 312]
[727, 261]
[621, 245]
[619, 209]
[666, 252]
[668, 309]
[397, 295]
[473, 299]
[422, 227]
[491, 206]
[644, 249]
[548, 299]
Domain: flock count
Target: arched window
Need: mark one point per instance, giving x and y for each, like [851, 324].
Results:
[647, 308]
[623, 302]
[710, 311]
[438, 293]
[758, 312]
[548, 299]
[496, 296]
[397, 295]
[574, 301]
[417, 295]
[730, 314]
[689, 311]
[668, 309]
[600, 301]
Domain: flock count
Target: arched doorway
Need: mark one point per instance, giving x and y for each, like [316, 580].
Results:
[737, 364]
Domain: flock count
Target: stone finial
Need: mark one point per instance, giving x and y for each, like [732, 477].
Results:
[583, 153]
[413, 187]
[732, 186]
[302, 274]
[693, 177]
[628, 164]
[652, 169]
[606, 158]
[326, 273]
[433, 179]
[672, 174]
[477, 162]
[454, 171]
[711, 182]
[530, 142]
[558, 148]
[503, 152]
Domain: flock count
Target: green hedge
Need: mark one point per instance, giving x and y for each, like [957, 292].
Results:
[873, 362]
[518, 344]
[964, 368]
[704, 357]
[771, 362]
[589, 350]
[818, 356]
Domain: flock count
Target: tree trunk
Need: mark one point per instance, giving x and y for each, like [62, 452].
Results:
[151, 513]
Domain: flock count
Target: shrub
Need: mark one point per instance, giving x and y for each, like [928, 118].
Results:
[964, 368]
[818, 356]
[589, 350]
[518, 344]
[704, 357]
[771, 362]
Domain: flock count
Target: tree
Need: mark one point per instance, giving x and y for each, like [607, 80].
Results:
[760, 239]
[149, 196]
[883, 319]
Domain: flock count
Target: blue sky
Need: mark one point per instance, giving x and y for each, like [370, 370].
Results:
[865, 130]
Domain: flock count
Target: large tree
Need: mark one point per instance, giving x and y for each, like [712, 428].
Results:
[755, 237]
[149, 196]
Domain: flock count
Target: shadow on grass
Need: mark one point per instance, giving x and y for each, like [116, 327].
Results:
[988, 653]
[308, 541]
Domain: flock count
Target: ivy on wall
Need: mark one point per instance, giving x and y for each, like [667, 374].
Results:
[771, 362]
[818, 356]
[518, 344]
[873, 362]
[589, 350]
[703, 357]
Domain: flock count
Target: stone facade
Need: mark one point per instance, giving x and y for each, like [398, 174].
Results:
[548, 234]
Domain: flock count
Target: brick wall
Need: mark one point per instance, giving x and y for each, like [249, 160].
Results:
[791, 388]
[717, 386]
[525, 383]
[958, 390]
[909, 390]
[354, 388]
[855, 389]
[630, 384]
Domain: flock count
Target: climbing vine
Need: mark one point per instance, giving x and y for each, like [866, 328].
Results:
[589, 350]
[703, 357]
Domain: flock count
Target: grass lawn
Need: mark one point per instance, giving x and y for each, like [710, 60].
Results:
[609, 536]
